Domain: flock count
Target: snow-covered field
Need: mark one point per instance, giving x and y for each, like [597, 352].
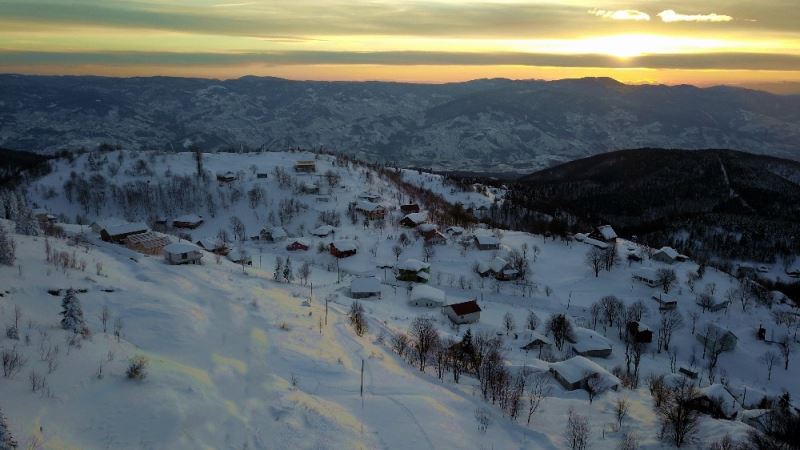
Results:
[239, 360]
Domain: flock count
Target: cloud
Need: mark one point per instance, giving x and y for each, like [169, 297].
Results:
[669, 15]
[621, 14]
[698, 61]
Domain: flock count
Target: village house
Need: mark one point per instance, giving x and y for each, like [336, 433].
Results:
[240, 257]
[712, 336]
[435, 237]
[190, 221]
[425, 228]
[309, 188]
[409, 208]
[647, 276]
[43, 217]
[274, 234]
[413, 270]
[587, 342]
[463, 313]
[148, 243]
[298, 245]
[226, 177]
[668, 255]
[604, 233]
[323, 230]
[369, 196]
[371, 210]
[118, 231]
[582, 373]
[498, 268]
[716, 401]
[262, 174]
[305, 166]
[343, 248]
[183, 253]
[536, 341]
[640, 332]
[487, 242]
[454, 230]
[426, 296]
[364, 287]
[414, 220]
[217, 246]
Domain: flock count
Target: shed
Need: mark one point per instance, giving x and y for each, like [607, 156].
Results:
[305, 166]
[427, 296]
[466, 312]
[363, 287]
[183, 253]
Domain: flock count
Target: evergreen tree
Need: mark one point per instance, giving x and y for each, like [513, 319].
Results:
[27, 223]
[7, 248]
[288, 273]
[7, 441]
[72, 314]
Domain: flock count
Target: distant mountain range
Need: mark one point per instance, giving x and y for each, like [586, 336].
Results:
[498, 125]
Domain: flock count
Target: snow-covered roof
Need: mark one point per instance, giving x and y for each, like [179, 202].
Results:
[181, 247]
[487, 239]
[125, 228]
[413, 265]
[365, 285]
[210, 243]
[278, 232]
[595, 242]
[530, 336]
[648, 273]
[417, 218]
[607, 232]
[716, 330]
[237, 255]
[464, 308]
[588, 340]
[425, 292]
[669, 251]
[188, 218]
[368, 206]
[300, 241]
[323, 230]
[426, 227]
[345, 245]
[369, 195]
[455, 230]
[719, 392]
[578, 368]
[495, 265]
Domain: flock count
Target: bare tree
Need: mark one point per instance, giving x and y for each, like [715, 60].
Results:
[304, 272]
[424, 337]
[595, 260]
[769, 358]
[105, 316]
[670, 321]
[678, 420]
[538, 389]
[508, 323]
[787, 347]
[532, 321]
[357, 319]
[629, 442]
[621, 408]
[12, 360]
[577, 432]
[397, 250]
[559, 326]
[610, 307]
[666, 278]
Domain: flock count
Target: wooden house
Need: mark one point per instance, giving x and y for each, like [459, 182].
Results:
[365, 287]
[579, 372]
[343, 248]
[487, 242]
[117, 232]
[716, 401]
[371, 210]
[183, 253]
[148, 243]
[463, 313]
[190, 221]
[305, 166]
[435, 237]
[413, 270]
[413, 220]
[604, 233]
[298, 245]
[217, 246]
[590, 343]
[640, 332]
[274, 234]
[409, 208]
[666, 255]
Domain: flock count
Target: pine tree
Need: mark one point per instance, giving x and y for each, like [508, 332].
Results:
[7, 248]
[72, 314]
[7, 441]
[288, 273]
[27, 223]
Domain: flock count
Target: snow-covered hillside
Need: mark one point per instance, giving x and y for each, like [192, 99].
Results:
[241, 357]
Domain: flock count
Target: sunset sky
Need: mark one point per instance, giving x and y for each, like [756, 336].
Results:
[678, 41]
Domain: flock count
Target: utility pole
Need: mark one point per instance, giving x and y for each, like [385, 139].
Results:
[362, 382]
[326, 311]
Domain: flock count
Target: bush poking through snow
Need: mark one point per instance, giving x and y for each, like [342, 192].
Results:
[13, 361]
[357, 319]
[137, 368]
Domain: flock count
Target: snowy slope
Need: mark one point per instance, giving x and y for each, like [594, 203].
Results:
[226, 342]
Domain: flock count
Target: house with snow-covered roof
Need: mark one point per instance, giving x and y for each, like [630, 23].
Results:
[485, 241]
[413, 220]
[183, 253]
[343, 248]
[426, 296]
[364, 287]
[117, 231]
[240, 257]
[715, 336]
[190, 221]
[273, 234]
[323, 230]
[214, 245]
[588, 342]
[578, 372]
[666, 255]
[148, 243]
[413, 270]
[298, 244]
[716, 401]
[371, 210]
[462, 313]
[604, 233]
